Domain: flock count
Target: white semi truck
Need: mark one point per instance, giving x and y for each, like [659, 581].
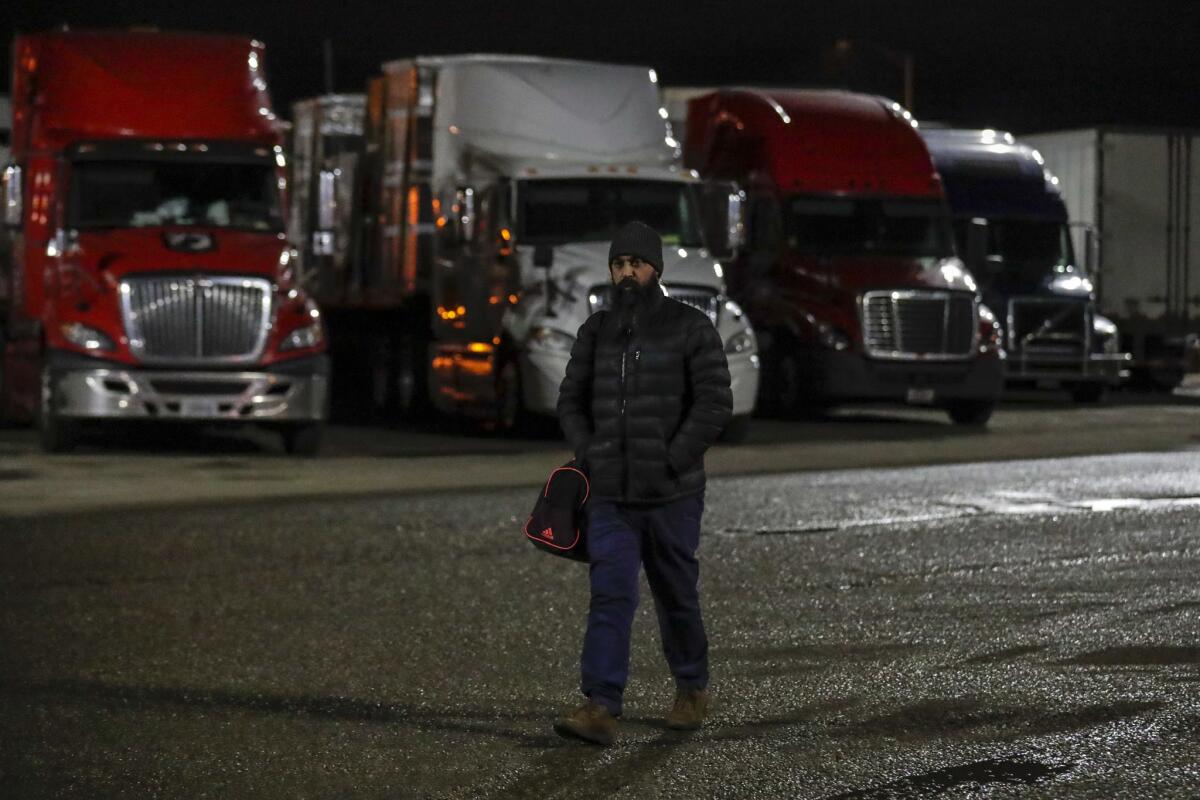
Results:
[1138, 191]
[484, 198]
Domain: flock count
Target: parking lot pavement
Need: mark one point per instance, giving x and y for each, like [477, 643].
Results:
[999, 630]
[135, 467]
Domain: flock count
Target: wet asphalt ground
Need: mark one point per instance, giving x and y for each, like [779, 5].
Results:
[1021, 629]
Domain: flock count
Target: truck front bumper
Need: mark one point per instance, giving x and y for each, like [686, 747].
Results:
[542, 373]
[289, 391]
[1108, 369]
[849, 377]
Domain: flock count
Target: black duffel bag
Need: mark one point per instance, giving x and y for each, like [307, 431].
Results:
[558, 524]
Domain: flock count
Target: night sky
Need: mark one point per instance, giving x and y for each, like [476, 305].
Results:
[1022, 66]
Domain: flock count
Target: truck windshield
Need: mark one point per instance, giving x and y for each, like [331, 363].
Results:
[140, 194]
[591, 210]
[1032, 246]
[842, 226]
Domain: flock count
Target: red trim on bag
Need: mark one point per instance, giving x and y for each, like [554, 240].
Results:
[548, 542]
[587, 485]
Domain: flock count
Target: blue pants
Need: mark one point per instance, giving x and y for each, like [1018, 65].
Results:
[620, 540]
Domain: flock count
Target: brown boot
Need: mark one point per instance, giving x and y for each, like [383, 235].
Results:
[689, 711]
[591, 722]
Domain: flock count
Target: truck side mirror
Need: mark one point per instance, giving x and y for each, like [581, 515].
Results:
[977, 240]
[543, 259]
[1091, 250]
[466, 213]
[324, 240]
[720, 206]
[736, 237]
[12, 196]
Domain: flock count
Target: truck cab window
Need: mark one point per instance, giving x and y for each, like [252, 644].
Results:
[136, 194]
[842, 226]
[572, 210]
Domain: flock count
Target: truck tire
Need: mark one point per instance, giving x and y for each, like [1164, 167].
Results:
[56, 434]
[780, 395]
[302, 439]
[512, 416]
[975, 413]
[1088, 392]
[3, 391]
[412, 377]
[738, 430]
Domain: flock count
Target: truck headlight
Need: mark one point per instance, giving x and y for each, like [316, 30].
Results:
[301, 338]
[1071, 283]
[741, 342]
[86, 337]
[551, 339]
[990, 330]
[1105, 331]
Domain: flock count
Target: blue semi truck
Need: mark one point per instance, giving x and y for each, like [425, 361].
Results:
[1012, 228]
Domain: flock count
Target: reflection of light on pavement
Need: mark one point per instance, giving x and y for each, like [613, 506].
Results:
[995, 504]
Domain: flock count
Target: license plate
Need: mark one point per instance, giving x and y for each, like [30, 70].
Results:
[193, 407]
[920, 395]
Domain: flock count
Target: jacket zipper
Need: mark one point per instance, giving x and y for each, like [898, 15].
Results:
[624, 426]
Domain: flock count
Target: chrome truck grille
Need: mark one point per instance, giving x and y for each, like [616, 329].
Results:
[196, 319]
[706, 300]
[1048, 326]
[918, 325]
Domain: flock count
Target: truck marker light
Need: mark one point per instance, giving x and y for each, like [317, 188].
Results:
[506, 234]
[512, 299]
[480, 347]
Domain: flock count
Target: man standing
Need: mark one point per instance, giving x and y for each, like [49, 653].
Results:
[645, 395]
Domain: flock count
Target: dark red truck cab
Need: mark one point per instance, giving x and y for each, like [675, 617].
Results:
[848, 272]
[145, 273]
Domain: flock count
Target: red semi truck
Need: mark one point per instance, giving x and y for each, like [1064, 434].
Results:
[145, 273]
[848, 273]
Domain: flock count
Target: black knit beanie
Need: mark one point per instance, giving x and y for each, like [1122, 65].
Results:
[638, 239]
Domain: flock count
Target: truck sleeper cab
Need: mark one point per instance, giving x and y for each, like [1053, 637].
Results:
[152, 275]
[849, 274]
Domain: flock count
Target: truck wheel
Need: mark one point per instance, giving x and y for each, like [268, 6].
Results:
[1088, 392]
[971, 412]
[3, 391]
[1166, 380]
[303, 440]
[511, 415]
[780, 394]
[412, 377]
[738, 430]
[55, 433]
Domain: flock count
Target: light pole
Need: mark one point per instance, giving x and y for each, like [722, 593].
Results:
[900, 58]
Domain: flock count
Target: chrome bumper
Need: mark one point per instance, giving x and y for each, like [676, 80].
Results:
[115, 393]
[1109, 369]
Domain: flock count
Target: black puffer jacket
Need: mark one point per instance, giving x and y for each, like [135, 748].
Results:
[640, 407]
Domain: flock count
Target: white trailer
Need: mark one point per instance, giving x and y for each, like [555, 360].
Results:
[490, 188]
[1140, 193]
